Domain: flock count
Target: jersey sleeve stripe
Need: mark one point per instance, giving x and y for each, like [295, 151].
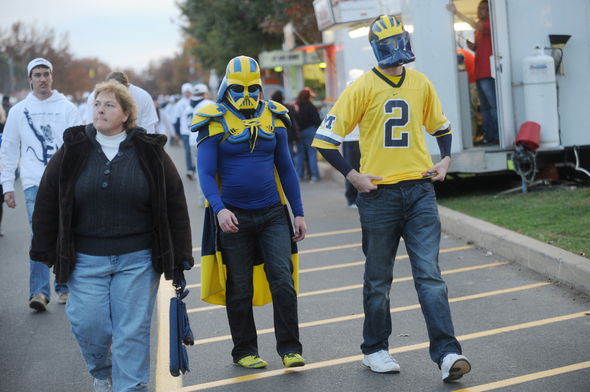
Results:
[443, 130]
[329, 137]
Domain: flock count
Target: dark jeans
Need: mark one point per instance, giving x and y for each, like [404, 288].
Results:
[352, 154]
[386, 215]
[265, 231]
[486, 89]
[304, 149]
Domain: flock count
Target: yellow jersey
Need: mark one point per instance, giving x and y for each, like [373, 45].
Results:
[390, 112]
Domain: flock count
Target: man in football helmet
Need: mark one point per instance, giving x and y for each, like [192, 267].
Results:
[390, 42]
[391, 106]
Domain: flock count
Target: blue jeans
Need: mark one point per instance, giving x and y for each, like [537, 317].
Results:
[39, 273]
[386, 215]
[110, 310]
[304, 149]
[190, 165]
[265, 231]
[486, 89]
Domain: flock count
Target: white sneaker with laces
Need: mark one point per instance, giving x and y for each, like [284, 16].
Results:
[454, 366]
[103, 385]
[381, 362]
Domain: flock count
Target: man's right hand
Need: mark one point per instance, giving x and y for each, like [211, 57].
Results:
[9, 199]
[362, 182]
[227, 221]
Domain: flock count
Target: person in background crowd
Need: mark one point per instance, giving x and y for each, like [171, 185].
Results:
[486, 85]
[199, 99]
[243, 140]
[6, 103]
[110, 218]
[163, 126]
[32, 134]
[294, 130]
[83, 105]
[391, 104]
[2, 164]
[309, 120]
[183, 130]
[171, 114]
[352, 154]
[146, 116]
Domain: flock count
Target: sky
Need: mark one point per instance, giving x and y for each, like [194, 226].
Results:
[125, 34]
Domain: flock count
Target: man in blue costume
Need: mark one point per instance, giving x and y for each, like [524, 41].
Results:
[242, 141]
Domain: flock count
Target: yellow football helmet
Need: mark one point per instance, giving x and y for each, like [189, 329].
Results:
[391, 43]
[241, 85]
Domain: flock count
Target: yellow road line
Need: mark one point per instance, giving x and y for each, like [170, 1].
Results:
[358, 230]
[164, 381]
[393, 310]
[358, 286]
[527, 378]
[205, 308]
[302, 252]
[339, 361]
[357, 263]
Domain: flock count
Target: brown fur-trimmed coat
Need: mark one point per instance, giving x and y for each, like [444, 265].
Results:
[53, 239]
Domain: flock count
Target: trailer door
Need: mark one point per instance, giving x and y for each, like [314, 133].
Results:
[501, 63]
[431, 29]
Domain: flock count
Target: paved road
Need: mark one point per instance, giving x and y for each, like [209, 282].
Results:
[520, 331]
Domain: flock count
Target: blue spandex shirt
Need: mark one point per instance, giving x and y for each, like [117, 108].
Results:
[247, 178]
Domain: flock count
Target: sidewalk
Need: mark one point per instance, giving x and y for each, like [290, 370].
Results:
[554, 263]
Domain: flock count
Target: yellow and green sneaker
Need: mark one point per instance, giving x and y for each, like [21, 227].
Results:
[252, 362]
[293, 360]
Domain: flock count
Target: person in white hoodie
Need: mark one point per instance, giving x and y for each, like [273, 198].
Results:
[33, 133]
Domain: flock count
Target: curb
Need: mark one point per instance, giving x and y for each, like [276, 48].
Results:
[554, 263]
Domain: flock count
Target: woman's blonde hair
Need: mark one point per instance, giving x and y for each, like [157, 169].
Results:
[124, 98]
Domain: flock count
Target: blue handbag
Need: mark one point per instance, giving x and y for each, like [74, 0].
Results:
[180, 329]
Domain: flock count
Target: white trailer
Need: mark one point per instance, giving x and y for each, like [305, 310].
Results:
[517, 26]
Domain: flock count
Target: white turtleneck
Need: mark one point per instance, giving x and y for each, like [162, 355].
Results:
[110, 144]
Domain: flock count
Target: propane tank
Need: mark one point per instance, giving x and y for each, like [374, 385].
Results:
[540, 95]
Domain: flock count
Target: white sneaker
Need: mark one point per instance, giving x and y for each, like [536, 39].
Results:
[63, 298]
[381, 362]
[454, 366]
[103, 385]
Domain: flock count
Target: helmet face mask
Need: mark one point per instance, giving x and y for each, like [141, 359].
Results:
[241, 86]
[391, 43]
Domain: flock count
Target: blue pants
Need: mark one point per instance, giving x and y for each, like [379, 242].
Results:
[304, 149]
[39, 273]
[267, 231]
[110, 310]
[486, 89]
[386, 215]
[190, 165]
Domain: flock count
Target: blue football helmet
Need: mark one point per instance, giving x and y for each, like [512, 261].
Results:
[391, 43]
[241, 86]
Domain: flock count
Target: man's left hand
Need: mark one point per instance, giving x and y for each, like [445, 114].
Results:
[300, 229]
[441, 169]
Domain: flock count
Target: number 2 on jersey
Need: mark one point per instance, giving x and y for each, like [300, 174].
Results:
[401, 119]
